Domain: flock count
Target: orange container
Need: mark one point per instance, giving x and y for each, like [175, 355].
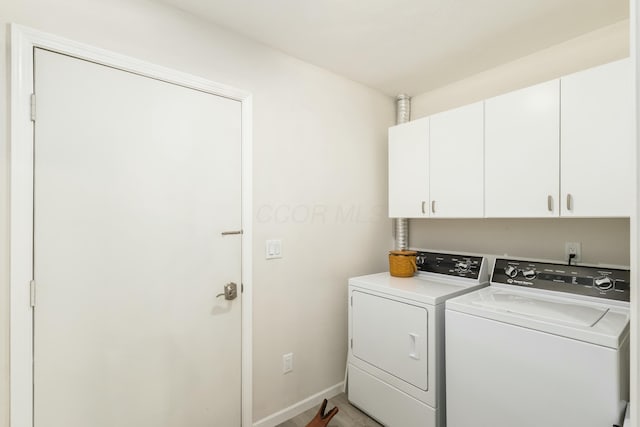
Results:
[402, 263]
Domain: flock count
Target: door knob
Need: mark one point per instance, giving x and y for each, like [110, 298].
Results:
[230, 291]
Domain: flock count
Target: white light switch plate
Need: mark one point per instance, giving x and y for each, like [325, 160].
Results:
[273, 249]
[287, 363]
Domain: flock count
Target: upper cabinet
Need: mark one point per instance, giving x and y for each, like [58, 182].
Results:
[560, 148]
[522, 132]
[597, 141]
[435, 165]
[456, 149]
[409, 169]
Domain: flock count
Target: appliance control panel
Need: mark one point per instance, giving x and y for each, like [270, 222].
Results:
[598, 282]
[449, 264]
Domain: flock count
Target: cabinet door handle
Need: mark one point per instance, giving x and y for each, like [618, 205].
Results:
[569, 202]
[423, 203]
[433, 206]
[550, 203]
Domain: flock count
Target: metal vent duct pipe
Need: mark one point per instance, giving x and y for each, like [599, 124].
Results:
[403, 108]
[401, 225]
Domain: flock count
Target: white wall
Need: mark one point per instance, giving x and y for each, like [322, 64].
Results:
[603, 240]
[597, 47]
[320, 179]
[634, 17]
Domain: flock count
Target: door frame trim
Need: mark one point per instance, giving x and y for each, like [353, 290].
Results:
[22, 42]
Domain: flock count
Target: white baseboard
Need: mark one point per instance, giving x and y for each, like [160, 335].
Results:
[298, 408]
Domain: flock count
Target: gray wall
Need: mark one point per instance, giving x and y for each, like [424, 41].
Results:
[603, 241]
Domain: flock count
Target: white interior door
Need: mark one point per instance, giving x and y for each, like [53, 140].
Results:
[135, 179]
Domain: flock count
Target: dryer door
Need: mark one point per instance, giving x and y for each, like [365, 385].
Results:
[392, 336]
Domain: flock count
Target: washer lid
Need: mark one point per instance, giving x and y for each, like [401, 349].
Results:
[556, 311]
[545, 311]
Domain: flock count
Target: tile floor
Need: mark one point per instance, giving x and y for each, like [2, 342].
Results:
[348, 416]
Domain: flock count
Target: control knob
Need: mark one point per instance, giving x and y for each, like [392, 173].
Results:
[419, 260]
[604, 283]
[529, 273]
[511, 271]
[462, 267]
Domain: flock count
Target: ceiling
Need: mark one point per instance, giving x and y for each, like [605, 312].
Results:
[408, 46]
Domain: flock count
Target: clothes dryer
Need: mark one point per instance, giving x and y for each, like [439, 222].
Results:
[396, 338]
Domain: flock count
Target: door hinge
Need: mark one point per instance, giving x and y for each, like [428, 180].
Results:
[351, 342]
[241, 287]
[351, 300]
[33, 107]
[32, 293]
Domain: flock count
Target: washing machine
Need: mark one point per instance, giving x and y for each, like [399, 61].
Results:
[396, 338]
[545, 345]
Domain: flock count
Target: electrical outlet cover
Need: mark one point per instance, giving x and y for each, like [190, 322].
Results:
[573, 248]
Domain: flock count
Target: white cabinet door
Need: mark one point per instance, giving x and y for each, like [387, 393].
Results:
[456, 150]
[409, 169]
[597, 141]
[522, 152]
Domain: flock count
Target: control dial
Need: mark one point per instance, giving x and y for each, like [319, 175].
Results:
[419, 260]
[529, 273]
[511, 271]
[604, 283]
[462, 267]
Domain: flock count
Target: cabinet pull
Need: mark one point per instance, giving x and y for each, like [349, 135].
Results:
[550, 203]
[423, 203]
[569, 202]
[433, 206]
